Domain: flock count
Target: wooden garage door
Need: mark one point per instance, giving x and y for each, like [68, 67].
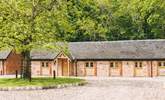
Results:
[128, 69]
[90, 71]
[64, 67]
[115, 68]
[161, 68]
[90, 68]
[140, 69]
[45, 68]
[80, 68]
[45, 71]
[103, 69]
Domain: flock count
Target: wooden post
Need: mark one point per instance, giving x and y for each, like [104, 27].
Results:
[54, 74]
[16, 74]
[76, 69]
[151, 69]
[3, 69]
[68, 67]
[30, 77]
[57, 67]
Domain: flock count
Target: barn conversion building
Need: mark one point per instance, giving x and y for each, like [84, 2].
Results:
[132, 58]
[116, 58]
[10, 61]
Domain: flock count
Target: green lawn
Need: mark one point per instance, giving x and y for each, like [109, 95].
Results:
[13, 82]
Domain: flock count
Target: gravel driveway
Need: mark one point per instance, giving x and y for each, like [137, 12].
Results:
[98, 89]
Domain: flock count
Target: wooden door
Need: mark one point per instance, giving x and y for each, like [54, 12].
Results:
[90, 71]
[116, 69]
[103, 69]
[64, 67]
[128, 69]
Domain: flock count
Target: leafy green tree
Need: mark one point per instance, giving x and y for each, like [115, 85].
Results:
[25, 24]
[86, 20]
[145, 18]
[28, 24]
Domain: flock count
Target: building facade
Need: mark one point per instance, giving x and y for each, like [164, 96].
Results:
[120, 68]
[45, 62]
[133, 58]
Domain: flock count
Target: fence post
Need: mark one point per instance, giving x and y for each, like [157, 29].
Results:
[30, 76]
[54, 74]
[16, 74]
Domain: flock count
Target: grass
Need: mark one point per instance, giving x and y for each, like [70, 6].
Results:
[13, 82]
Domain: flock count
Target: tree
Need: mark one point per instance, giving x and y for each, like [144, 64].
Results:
[86, 19]
[146, 18]
[26, 24]
[100, 20]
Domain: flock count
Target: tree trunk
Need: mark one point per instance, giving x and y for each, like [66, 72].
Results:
[26, 65]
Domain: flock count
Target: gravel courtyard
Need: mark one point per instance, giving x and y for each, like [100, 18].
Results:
[98, 89]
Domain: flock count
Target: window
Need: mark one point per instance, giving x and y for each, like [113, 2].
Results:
[42, 64]
[161, 63]
[114, 64]
[89, 64]
[47, 64]
[138, 64]
[111, 64]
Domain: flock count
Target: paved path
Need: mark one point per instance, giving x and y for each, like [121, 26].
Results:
[98, 89]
